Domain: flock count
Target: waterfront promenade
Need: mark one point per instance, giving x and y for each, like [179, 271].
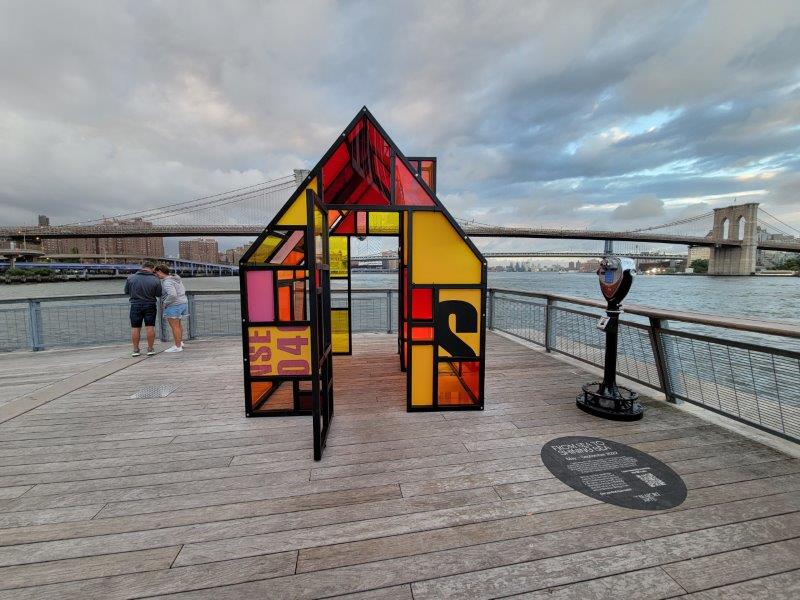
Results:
[103, 496]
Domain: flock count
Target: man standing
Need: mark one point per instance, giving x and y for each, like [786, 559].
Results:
[144, 288]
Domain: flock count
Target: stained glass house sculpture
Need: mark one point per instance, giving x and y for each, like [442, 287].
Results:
[362, 186]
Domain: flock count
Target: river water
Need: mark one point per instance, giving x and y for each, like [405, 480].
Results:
[770, 298]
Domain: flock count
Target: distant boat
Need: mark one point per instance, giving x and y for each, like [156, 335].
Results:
[776, 273]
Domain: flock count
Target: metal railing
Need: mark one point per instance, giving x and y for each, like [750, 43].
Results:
[753, 377]
[74, 321]
[744, 369]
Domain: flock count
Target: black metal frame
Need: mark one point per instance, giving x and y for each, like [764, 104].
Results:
[319, 296]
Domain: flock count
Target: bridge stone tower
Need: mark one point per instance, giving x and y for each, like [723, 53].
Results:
[737, 222]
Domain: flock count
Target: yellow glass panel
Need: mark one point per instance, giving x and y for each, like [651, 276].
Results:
[470, 338]
[439, 253]
[339, 256]
[317, 220]
[421, 375]
[340, 330]
[277, 351]
[296, 214]
[265, 249]
[384, 222]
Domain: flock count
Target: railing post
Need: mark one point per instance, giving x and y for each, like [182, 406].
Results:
[388, 311]
[161, 331]
[660, 356]
[490, 310]
[36, 337]
[192, 321]
[549, 324]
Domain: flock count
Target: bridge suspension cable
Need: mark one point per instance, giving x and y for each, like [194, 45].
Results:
[683, 221]
[202, 202]
[784, 223]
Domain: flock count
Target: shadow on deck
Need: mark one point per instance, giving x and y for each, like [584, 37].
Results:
[106, 497]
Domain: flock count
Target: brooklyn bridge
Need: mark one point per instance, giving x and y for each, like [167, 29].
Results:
[732, 233]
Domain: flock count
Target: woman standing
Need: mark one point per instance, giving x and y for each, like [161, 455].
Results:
[174, 303]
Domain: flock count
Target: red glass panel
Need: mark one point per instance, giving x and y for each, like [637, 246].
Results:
[335, 168]
[408, 191]
[422, 303]
[361, 222]
[405, 293]
[358, 171]
[422, 334]
[346, 226]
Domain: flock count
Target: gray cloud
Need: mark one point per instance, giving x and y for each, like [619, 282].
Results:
[639, 208]
[539, 113]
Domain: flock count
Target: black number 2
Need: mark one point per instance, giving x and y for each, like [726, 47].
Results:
[466, 322]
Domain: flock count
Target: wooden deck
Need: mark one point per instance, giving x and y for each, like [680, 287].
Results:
[106, 497]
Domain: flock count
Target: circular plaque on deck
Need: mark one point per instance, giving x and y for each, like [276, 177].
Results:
[614, 473]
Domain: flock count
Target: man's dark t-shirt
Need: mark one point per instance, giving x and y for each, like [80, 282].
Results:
[144, 287]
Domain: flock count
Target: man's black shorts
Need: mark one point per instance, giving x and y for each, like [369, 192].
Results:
[143, 312]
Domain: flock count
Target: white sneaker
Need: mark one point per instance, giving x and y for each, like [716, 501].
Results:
[174, 349]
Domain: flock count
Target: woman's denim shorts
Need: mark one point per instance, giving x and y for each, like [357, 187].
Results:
[176, 311]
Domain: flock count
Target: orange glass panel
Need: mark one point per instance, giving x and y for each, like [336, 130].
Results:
[294, 258]
[427, 172]
[258, 389]
[285, 303]
[333, 214]
[453, 387]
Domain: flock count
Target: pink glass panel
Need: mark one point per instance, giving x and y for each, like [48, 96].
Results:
[260, 300]
[287, 247]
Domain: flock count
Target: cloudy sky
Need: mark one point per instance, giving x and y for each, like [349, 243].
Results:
[542, 113]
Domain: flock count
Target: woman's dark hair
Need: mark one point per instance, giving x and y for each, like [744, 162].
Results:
[163, 269]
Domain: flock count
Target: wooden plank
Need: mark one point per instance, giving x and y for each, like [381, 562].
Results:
[738, 501]
[567, 566]
[207, 514]
[646, 584]
[313, 521]
[27, 518]
[13, 492]
[138, 585]
[397, 592]
[775, 587]
[106, 565]
[538, 574]
[399, 500]
[19, 406]
[736, 566]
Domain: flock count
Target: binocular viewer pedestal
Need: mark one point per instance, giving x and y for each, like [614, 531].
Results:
[606, 399]
[619, 403]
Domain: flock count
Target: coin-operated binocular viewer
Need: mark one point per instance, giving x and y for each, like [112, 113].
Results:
[607, 399]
